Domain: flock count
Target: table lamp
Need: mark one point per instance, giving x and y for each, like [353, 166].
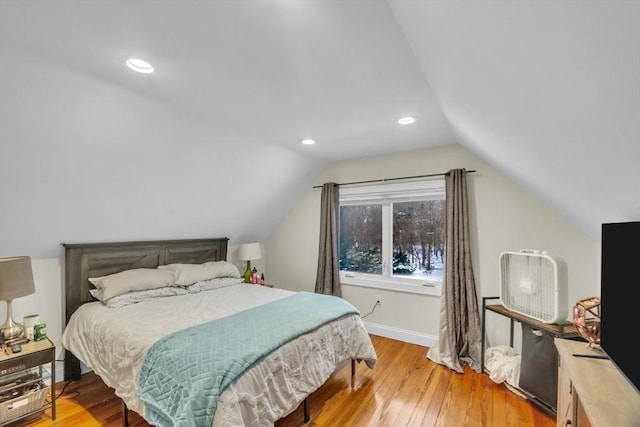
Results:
[248, 252]
[16, 280]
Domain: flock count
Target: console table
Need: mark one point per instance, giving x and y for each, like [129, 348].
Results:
[543, 395]
[563, 330]
[592, 392]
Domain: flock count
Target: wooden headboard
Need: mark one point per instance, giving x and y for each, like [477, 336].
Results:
[84, 260]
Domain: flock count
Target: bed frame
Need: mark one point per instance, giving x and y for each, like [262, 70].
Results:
[84, 260]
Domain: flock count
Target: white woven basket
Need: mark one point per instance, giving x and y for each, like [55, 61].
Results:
[23, 405]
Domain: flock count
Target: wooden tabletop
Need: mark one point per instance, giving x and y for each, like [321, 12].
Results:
[29, 347]
[606, 395]
[562, 329]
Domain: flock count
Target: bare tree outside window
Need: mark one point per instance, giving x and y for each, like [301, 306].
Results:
[418, 244]
[391, 236]
[417, 247]
[360, 247]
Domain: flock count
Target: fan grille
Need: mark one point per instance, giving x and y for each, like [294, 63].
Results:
[531, 284]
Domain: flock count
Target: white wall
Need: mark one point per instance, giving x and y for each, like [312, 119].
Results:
[504, 217]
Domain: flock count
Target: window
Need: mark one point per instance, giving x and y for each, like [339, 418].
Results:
[391, 236]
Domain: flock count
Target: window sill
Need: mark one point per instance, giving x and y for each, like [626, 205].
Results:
[434, 290]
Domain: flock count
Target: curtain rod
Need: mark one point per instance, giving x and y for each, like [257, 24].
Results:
[395, 179]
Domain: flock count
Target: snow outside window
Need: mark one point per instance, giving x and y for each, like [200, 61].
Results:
[391, 236]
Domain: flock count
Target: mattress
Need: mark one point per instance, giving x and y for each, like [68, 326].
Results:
[113, 343]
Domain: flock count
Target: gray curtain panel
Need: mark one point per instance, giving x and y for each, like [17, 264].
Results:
[460, 336]
[328, 274]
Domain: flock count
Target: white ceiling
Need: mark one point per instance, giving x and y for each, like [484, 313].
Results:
[547, 92]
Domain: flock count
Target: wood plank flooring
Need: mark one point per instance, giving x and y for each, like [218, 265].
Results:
[403, 389]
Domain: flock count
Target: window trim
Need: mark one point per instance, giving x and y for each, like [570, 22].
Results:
[385, 194]
[426, 288]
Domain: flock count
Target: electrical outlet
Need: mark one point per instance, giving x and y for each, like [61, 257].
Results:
[378, 299]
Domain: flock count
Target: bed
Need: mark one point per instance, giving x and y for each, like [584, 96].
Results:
[213, 352]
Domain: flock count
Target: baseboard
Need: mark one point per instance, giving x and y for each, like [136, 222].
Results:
[401, 334]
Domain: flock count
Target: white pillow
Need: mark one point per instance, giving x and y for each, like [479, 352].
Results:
[211, 284]
[134, 297]
[188, 274]
[138, 279]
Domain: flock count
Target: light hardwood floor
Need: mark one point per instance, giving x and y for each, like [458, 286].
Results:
[403, 389]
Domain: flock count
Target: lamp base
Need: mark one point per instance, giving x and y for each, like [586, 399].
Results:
[10, 330]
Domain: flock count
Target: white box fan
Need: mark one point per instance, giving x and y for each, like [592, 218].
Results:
[534, 283]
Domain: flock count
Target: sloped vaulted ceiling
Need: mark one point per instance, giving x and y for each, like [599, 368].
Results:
[547, 92]
[208, 145]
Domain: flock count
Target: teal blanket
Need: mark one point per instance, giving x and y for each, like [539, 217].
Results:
[184, 373]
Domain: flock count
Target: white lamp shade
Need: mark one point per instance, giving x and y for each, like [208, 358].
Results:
[249, 251]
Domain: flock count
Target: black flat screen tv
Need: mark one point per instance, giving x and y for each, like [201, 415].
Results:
[619, 306]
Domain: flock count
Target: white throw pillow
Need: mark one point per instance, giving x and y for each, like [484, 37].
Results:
[212, 284]
[138, 279]
[135, 297]
[188, 274]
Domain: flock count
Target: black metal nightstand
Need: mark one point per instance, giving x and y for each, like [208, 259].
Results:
[27, 385]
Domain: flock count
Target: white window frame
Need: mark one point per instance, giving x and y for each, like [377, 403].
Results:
[385, 194]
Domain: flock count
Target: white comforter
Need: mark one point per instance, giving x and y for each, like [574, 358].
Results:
[114, 341]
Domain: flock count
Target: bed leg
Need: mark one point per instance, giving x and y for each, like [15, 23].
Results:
[306, 409]
[125, 415]
[353, 367]
[72, 370]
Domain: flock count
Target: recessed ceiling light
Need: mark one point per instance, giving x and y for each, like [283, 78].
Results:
[308, 141]
[139, 65]
[406, 120]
